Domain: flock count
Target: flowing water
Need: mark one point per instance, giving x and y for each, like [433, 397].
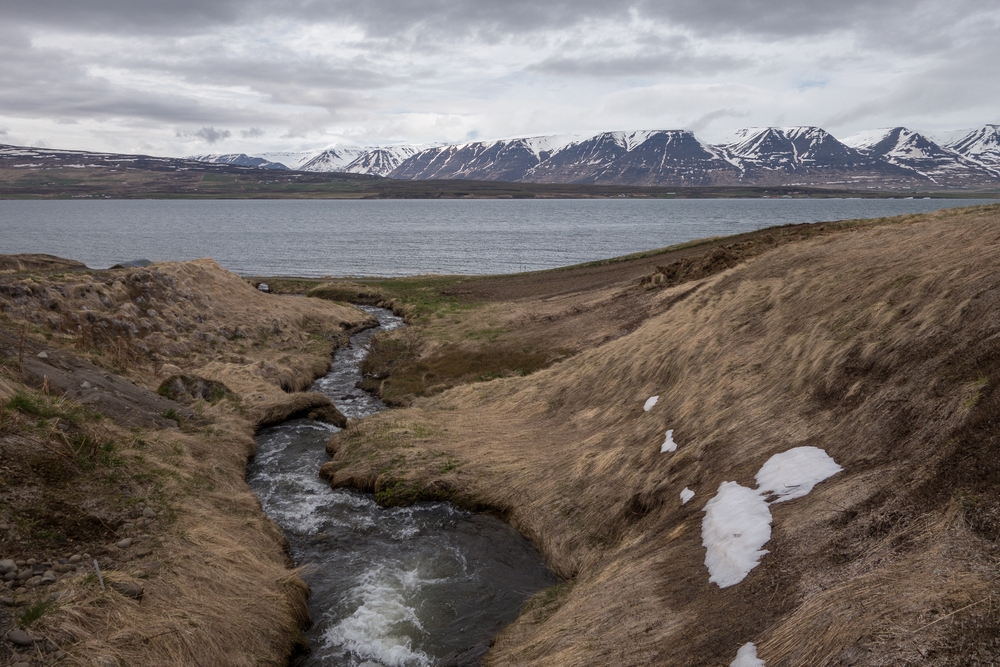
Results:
[399, 587]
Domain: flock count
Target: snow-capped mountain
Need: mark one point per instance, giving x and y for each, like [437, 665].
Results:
[790, 149]
[502, 160]
[26, 157]
[291, 159]
[239, 159]
[905, 148]
[891, 158]
[378, 160]
[981, 145]
[637, 158]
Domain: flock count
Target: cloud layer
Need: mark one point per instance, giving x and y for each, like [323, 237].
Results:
[179, 77]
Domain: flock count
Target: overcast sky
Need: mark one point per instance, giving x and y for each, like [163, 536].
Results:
[179, 77]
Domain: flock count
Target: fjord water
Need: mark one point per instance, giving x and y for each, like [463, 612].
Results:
[400, 587]
[403, 237]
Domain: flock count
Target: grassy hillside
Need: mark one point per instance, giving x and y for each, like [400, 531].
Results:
[128, 403]
[876, 342]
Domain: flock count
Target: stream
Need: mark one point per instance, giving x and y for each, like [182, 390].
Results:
[397, 587]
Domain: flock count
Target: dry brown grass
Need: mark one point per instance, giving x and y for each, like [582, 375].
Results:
[217, 586]
[879, 345]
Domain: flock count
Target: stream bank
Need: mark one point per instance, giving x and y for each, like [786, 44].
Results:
[400, 587]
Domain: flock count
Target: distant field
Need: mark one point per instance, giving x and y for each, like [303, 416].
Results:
[59, 182]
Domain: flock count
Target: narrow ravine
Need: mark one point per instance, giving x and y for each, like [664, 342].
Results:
[400, 587]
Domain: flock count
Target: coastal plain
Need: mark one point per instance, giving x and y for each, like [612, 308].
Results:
[875, 341]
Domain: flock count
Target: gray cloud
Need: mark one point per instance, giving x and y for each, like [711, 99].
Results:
[637, 66]
[137, 67]
[212, 135]
[489, 19]
[712, 116]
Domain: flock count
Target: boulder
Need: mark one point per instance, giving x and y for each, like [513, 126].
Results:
[190, 387]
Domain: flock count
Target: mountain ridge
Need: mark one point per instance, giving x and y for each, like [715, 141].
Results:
[887, 158]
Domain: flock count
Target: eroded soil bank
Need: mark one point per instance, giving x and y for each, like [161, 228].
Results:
[877, 342]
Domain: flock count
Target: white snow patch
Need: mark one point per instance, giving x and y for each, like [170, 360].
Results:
[747, 657]
[737, 524]
[686, 495]
[669, 445]
[650, 402]
[552, 143]
[794, 473]
[866, 138]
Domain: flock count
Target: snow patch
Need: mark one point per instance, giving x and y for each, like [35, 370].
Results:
[550, 144]
[737, 520]
[747, 657]
[686, 495]
[737, 524]
[794, 473]
[866, 139]
[650, 402]
[669, 445]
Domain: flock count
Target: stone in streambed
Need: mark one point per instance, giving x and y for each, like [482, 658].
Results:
[330, 415]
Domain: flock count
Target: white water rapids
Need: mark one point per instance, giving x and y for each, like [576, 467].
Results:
[399, 587]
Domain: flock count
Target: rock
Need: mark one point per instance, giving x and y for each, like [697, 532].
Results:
[21, 591]
[60, 654]
[19, 637]
[188, 387]
[43, 355]
[141, 553]
[34, 581]
[10, 576]
[7, 600]
[149, 568]
[85, 385]
[49, 577]
[124, 544]
[129, 589]
[24, 574]
[169, 369]
[75, 558]
[149, 513]
[329, 414]
[8, 565]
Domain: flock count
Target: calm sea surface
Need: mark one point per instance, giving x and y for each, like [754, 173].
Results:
[392, 238]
